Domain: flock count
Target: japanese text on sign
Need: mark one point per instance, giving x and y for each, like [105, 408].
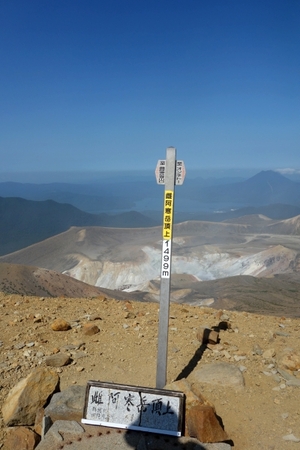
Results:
[134, 408]
[160, 171]
[180, 172]
[168, 215]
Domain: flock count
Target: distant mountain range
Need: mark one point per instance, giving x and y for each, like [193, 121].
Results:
[245, 257]
[265, 188]
[51, 209]
[93, 198]
[129, 259]
[273, 296]
[25, 222]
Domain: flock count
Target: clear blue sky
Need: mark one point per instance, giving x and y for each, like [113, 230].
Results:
[101, 85]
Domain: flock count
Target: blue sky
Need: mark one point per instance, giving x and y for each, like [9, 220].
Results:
[104, 85]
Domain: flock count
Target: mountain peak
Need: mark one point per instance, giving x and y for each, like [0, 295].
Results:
[270, 176]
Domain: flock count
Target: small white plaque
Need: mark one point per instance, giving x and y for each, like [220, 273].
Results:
[180, 172]
[133, 407]
[160, 171]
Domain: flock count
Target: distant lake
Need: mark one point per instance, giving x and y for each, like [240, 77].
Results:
[181, 205]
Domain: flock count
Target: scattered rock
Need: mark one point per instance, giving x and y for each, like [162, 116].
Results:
[268, 354]
[58, 360]
[224, 317]
[281, 333]
[203, 424]
[68, 348]
[89, 329]
[93, 317]
[220, 373]
[290, 360]
[291, 437]
[19, 346]
[286, 375]
[79, 355]
[122, 351]
[205, 335]
[257, 350]
[28, 396]
[60, 325]
[294, 382]
[239, 358]
[130, 315]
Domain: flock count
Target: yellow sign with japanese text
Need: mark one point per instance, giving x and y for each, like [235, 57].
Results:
[168, 215]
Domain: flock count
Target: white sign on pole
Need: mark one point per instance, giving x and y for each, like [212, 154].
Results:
[160, 172]
[180, 172]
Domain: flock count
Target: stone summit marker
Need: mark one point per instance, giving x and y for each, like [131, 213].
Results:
[168, 172]
[134, 407]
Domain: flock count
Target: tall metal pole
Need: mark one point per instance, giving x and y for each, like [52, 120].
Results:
[165, 283]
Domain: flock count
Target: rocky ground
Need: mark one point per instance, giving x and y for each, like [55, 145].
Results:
[264, 414]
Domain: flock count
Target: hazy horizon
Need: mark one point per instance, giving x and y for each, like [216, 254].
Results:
[91, 176]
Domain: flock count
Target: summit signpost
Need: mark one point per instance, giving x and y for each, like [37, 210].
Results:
[169, 172]
[136, 407]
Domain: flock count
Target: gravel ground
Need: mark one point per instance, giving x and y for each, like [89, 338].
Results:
[264, 414]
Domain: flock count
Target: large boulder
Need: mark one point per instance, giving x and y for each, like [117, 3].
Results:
[201, 421]
[30, 394]
[67, 404]
[21, 438]
[191, 398]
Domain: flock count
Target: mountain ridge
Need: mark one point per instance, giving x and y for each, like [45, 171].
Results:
[25, 222]
[277, 296]
[266, 187]
[129, 260]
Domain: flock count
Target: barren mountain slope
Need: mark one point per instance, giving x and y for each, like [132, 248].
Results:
[30, 280]
[278, 295]
[128, 259]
